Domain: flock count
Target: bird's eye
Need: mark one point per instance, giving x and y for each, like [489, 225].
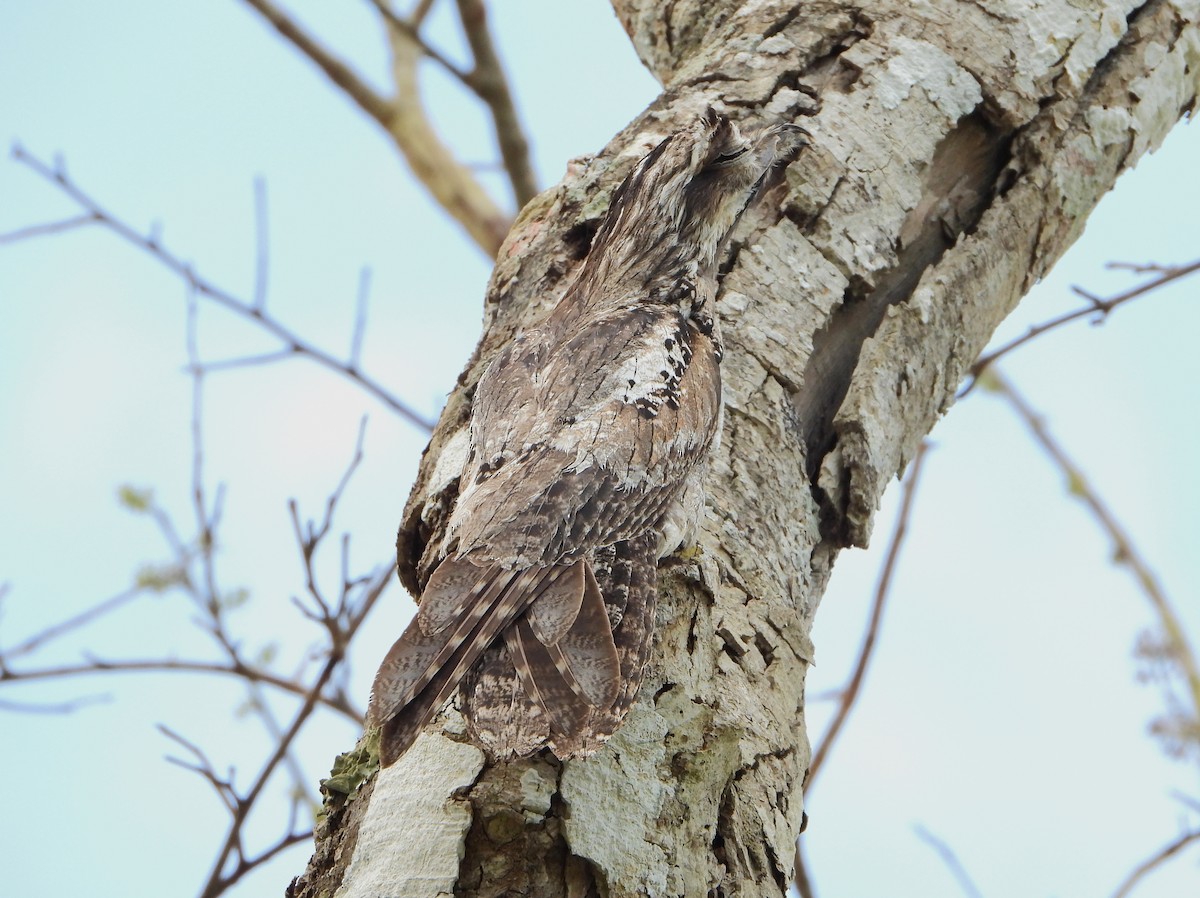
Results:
[728, 158]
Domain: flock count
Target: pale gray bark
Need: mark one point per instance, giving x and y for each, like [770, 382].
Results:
[957, 150]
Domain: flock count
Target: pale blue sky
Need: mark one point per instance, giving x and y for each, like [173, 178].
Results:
[1002, 712]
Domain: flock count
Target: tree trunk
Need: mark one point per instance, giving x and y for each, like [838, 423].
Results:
[957, 150]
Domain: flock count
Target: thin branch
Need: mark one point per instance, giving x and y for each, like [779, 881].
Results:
[950, 859]
[47, 228]
[1180, 651]
[420, 11]
[360, 318]
[217, 881]
[245, 864]
[335, 69]
[247, 361]
[238, 669]
[151, 245]
[261, 245]
[452, 185]
[801, 878]
[308, 537]
[1148, 866]
[491, 84]
[1141, 267]
[1095, 306]
[410, 28]
[1186, 800]
[854, 686]
[83, 618]
[68, 707]
[202, 766]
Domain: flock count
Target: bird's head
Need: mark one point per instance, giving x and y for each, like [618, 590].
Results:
[685, 196]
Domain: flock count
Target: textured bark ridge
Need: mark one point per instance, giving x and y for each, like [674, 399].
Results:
[957, 150]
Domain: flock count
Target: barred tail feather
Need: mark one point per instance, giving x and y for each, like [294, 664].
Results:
[469, 606]
[629, 585]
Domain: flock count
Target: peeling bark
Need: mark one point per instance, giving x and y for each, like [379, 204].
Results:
[957, 150]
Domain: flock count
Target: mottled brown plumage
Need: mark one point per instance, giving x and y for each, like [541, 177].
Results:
[589, 435]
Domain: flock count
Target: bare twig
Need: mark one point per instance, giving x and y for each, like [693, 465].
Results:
[246, 864]
[203, 766]
[801, 879]
[1186, 800]
[235, 668]
[261, 245]
[452, 184]
[850, 694]
[68, 707]
[152, 245]
[1095, 306]
[403, 117]
[246, 361]
[1179, 650]
[82, 619]
[410, 28]
[491, 84]
[417, 16]
[309, 536]
[218, 880]
[47, 228]
[1148, 866]
[950, 859]
[360, 318]
[335, 69]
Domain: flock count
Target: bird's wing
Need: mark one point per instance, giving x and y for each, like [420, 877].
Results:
[594, 441]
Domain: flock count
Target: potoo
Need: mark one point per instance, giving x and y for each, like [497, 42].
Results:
[589, 437]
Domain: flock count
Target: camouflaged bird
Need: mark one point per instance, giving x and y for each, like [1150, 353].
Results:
[588, 441]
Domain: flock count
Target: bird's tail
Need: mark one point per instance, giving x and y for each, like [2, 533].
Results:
[549, 611]
[570, 690]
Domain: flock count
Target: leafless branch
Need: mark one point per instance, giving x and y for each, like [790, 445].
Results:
[246, 864]
[202, 766]
[360, 318]
[850, 694]
[218, 880]
[950, 859]
[338, 71]
[1148, 866]
[403, 116]
[238, 669]
[68, 707]
[152, 245]
[801, 878]
[1186, 800]
[1179, 650]
[246, 361]
[1095, 307]
[491, 84]
[410, 28]
[453, 185]
[82, 619]
[47, 228]
[261, 245]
